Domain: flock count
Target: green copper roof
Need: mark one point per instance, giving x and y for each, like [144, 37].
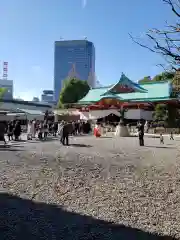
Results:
[157, 90]
[127, 83]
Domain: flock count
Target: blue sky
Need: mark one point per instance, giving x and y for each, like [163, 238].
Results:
[29, 29]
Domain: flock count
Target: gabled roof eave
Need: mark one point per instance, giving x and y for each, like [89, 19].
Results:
[135, 85]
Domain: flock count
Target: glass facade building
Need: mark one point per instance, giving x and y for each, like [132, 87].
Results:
[78, 55]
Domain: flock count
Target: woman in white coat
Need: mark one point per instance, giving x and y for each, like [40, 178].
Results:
[30, 130]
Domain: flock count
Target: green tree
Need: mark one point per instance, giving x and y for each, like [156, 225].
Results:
[145, 80]
[176, 85]
[168, 75]
[161, 113]
[173, 116]
[72, 91]
[166, 114]
[157, 78]
[2, 92]
[164, 76]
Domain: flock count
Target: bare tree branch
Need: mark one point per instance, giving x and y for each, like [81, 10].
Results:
[165, 42]
[173, 6]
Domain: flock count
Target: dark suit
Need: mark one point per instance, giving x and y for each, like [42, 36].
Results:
[2, 132]
[141, 134]
[65, 133]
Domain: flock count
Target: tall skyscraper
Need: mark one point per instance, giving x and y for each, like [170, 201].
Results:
[75, 58]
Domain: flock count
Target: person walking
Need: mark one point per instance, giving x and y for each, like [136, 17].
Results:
[140, 128]
[45, 127]
[17, 130]
[65, 134]
[2, 132]
[161, 139]
[40, 131]
[171, 136]
[33, 128]
[10, 131]
[30, 130]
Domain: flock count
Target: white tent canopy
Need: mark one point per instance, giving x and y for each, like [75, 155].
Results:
[93, 115]
[29, 114]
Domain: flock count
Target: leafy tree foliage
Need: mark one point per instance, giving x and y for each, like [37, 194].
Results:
[145, 80]
[168, 75]
[2, 92]
[166, 114]
[164, 76]
[159, 77]
[72, 91]
[160, 113]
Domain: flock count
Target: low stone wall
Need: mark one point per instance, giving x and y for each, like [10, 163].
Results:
[158, 130]
[164, 130]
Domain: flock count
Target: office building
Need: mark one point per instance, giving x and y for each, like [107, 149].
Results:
[47, 96]
[74, 58]
[35, 99]
[8, 85]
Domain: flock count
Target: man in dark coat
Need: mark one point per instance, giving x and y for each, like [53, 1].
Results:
[2, 132]
[66, 130]
[17, 130]
[140, 128]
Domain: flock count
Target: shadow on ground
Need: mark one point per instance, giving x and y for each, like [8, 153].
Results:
[25, 219]
[80, 145]
[19, 141]
[106, 137]
[50, 139]
[12, 148]
[165, 147]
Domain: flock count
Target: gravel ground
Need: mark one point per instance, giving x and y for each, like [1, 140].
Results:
[109, 179]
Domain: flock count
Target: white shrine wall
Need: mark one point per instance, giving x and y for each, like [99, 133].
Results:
[135, 114]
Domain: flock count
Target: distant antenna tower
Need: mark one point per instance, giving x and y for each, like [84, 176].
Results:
[5, 70]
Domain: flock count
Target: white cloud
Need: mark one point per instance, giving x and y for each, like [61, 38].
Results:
[84, 3]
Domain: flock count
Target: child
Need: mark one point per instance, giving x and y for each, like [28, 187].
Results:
[171, 136]
[161, 139]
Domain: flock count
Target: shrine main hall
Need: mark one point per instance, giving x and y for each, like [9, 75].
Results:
[139, 99]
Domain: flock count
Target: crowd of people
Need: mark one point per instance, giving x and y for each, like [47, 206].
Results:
[42, 129]
[12, 129]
